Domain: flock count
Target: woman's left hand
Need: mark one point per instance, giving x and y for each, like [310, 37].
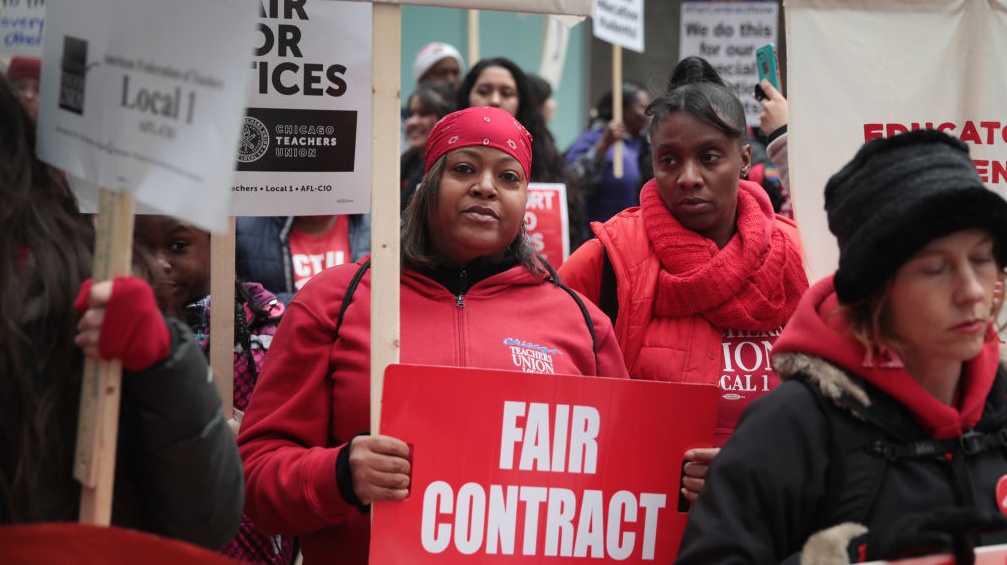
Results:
[694, 478]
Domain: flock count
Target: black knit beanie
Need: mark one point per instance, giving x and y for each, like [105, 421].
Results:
[897, 195]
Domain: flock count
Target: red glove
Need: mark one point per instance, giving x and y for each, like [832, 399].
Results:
[132, 329]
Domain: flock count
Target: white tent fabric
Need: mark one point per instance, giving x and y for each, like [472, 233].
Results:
[859, 69]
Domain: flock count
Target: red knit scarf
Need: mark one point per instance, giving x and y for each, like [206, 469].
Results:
[753, 283]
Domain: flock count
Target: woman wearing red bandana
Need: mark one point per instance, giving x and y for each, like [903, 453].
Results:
[888, 435]
[700, 278]
[471, 284]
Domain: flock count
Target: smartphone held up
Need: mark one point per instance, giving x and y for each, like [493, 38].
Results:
[768, 68]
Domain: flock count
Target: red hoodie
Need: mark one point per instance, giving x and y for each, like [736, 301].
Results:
[819, 328]
[313, 394]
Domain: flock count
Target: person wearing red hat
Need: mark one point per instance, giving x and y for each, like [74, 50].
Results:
[470, 280]
[24, 74]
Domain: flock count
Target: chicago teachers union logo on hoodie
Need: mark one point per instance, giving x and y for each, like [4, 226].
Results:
[531, 357]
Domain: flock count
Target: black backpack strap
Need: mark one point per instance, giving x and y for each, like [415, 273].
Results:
[554, 277]
[587, 319]
[952, 450]
[970, 443]
[608, 297]
[348, 297]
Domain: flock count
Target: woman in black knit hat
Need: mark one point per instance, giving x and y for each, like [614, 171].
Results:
[888, 436]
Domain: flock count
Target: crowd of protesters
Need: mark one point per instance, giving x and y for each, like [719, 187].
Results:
[879, 433]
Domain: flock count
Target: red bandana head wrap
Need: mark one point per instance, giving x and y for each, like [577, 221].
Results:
[479, 125]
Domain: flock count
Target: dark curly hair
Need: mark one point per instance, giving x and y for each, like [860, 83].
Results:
[45, 254]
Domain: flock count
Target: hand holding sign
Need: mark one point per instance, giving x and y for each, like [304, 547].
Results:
[380, 468]
[695, 471]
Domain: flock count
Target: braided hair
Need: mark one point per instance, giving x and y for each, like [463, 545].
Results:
[243, 326]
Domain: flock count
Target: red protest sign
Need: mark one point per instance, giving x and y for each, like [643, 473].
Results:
[511, 467]
[547, 221]
[989, 555]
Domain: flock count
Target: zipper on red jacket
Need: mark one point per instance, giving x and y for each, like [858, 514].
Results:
[463, 287]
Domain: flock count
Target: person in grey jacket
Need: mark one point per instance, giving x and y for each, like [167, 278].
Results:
[178, 473]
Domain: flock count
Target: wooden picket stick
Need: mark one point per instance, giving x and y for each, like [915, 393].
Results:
[101, 384]
[222, 318]
[617, 107]
[473, 37]
[386, 101]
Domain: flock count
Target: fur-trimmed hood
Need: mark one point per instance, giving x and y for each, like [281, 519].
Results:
[835, 383]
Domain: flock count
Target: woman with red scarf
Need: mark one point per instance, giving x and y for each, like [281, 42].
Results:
[702, 276]
[471, 283]
[888, 436]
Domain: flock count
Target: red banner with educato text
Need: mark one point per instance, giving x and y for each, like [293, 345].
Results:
[510, 467]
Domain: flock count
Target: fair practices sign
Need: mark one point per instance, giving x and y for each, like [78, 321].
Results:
[145, 97]
[512, 467]
[547, 222]
[305, 144]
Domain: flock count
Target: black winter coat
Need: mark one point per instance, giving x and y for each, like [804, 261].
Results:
[800, 461]
[179, 473]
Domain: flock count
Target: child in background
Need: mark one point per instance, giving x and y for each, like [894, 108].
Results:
[182, 252]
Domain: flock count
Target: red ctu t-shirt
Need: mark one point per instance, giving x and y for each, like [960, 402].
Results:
[746, 374]
[311, 254]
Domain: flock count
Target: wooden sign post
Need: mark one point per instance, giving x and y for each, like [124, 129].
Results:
[384, 208]
[222, 320]
[617, 149]
[473, 37]
[101, 386]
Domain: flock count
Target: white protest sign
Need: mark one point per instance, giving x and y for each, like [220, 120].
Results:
[148, 101]
[554, 46]
[620, 22]
[305, 144]
[727, 34]
[889, 66]
[21, 25]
